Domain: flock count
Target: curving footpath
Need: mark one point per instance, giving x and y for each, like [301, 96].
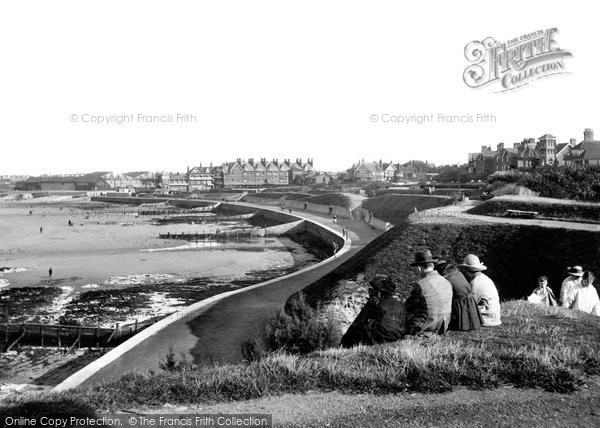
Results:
[213, 330]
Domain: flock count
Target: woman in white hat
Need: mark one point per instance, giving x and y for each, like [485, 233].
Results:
[571, 282]
[484, 290]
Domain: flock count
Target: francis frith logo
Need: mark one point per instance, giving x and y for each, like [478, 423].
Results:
[514, 63]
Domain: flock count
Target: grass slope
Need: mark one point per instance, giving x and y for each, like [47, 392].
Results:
[551, 348]
[515, 255]
[567, 210]
[395, 208]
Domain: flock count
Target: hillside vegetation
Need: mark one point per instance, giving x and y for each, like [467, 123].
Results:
[562, 183]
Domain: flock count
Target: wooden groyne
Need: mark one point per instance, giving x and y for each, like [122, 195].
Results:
[66, 336]
[218, 235]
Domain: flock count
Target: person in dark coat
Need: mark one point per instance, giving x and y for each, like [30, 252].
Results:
[465, 314]
[382, 319]
[429, 305]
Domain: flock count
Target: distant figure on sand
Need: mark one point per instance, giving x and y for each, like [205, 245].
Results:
[572, 281]
[484, 290]
[382, 319]
[543, 294]
[429, 306]
[41, 229]
[50, 272]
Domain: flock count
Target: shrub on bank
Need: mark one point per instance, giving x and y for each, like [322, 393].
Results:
[300, 330]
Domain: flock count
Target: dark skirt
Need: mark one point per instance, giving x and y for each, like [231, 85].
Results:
[465, 315]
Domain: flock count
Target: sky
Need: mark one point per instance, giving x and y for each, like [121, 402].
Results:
[274, 79]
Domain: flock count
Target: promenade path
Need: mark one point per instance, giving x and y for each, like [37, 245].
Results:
[216, 333]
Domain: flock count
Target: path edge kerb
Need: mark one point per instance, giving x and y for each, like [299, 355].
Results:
[91, 369]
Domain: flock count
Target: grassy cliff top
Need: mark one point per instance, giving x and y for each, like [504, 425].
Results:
[536, 347]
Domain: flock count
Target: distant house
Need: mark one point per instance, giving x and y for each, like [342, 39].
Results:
[562, 150]
[318, 179]
[85, 182]
[524, 156]
[200, 179]
[585, 153]
[178, 183]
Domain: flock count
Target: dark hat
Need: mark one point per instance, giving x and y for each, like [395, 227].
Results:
[383, 283]
[423, 258]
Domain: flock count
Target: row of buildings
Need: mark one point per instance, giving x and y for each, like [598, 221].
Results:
[238, 174]
[530, 154]
[389, 172]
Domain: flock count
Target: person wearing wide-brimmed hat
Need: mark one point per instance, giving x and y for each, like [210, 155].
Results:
[572, 281]
[465, 313]
[484, 290]
[382, 319]
[429, 305]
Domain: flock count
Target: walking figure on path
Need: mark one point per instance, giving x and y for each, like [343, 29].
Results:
[50, 272]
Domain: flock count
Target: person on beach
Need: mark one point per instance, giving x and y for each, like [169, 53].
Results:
[382, 319]
[484, 290]
[429, 305]
[584, 297]
[572, 281]
[465, 315]
[41, 229]
[335, 219]
[543, 295]
[50, 272]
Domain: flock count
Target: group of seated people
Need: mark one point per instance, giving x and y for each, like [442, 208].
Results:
[447, 297]
[577, 292]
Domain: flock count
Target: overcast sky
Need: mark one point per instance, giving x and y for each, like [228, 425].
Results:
[274, 79]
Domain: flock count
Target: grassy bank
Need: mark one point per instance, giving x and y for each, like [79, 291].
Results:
[515, 255]
[550, 210]
[333, 199]
[549, 348]
[395, 208]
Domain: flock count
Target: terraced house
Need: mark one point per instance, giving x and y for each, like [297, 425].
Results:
[248, 173]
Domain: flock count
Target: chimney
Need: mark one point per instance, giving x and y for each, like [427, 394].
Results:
[516, 145]
[573, 141]
[588, 134]
[483, 149]
[500, 147]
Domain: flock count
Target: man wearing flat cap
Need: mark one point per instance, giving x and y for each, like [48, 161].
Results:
[429, 305]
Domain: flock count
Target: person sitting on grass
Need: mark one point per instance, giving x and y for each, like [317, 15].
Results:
[484, 290]
[429, 305]
[465, 314]
[382, 319]
[572, 281]
[584, 297]
[543, 294]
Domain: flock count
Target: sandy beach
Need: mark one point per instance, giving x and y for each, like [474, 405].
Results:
[117, 250]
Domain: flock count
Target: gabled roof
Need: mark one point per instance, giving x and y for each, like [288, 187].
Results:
[547, 137]
[562, 146]
[589, 150]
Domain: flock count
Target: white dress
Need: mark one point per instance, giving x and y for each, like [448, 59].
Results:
[585, 299]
